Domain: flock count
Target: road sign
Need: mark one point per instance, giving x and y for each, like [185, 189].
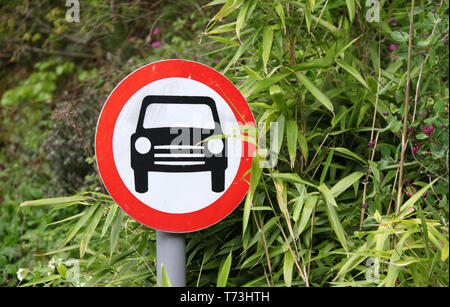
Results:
[169, 145]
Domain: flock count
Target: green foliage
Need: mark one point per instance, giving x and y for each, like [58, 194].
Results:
[325, 215]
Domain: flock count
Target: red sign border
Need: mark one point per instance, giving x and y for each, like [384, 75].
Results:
[171, 222]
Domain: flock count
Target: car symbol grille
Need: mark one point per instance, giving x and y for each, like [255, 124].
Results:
[179, 155]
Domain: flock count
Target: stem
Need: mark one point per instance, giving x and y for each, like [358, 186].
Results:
[405, 113]
[363, 210]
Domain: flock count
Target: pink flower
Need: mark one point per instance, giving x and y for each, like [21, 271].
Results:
[156, 31]
[415, 148]
[428, 130]
[156, 44]
[394, 46]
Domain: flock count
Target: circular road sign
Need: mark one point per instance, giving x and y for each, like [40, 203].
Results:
[170, 145]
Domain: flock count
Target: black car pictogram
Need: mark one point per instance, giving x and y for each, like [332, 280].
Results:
[164, 140]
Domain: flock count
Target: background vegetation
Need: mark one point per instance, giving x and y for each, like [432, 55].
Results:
[359, 196]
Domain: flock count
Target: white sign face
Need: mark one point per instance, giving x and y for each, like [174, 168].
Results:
[179, 189]
[171, 145]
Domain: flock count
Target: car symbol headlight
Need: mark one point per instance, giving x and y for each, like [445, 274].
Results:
[215, 146]
[143, 145]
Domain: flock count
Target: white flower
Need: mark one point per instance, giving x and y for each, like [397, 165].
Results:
[21, 273]
[52, 263]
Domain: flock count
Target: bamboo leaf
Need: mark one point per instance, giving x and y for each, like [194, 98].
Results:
[241, 18]
[351, 9]
[307, 210]
[291, 177]
[291, 136]
[90, 230]
[280, 11]
[288, 265]
[165, 280]
[52, 201]
[351, 154]
[354, 73]
[115, 232]
[109, 218]
[321, 97]
[266, 83]
[410, 202]
[267, 45]
[224, 271]
[345, 183]
[227, 8]
[278, 99]
[81, 222]
[326, 166]
[393, 269]
[42, 280]
[303, 146]
[333, 216]
[254, 180]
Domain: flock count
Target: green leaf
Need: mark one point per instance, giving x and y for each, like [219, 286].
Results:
[281, 124]
[351, 154]
[81, 222]
[90, 230]
[254, 180]
[400, 36]
[345, 183]
[404, 209]
[321, 97]
[280, 11]
[351, 9]
[291, 177]
[288, 264]
[266, 83]
[165, 280]
[421, 136]
[326, 166]
[225, 41]
[224, 271]
[307, 210]
[303, 146]
[227, 8]
[241, 50]
[52, 201]
[354, 73]
[109, 218]
[393, 269]
[278, 99]
[42, 280]
[117, 226]
[291, 135]
[333, 216]
[241, 18]
[267, 45]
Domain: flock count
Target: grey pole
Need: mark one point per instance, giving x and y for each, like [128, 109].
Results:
[171, 251]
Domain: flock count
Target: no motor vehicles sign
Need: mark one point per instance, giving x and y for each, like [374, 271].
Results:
[169, 145]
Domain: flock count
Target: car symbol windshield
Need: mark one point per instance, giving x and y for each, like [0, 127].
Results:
[160, 115]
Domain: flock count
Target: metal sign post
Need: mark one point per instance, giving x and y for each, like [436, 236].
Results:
[171, 252]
